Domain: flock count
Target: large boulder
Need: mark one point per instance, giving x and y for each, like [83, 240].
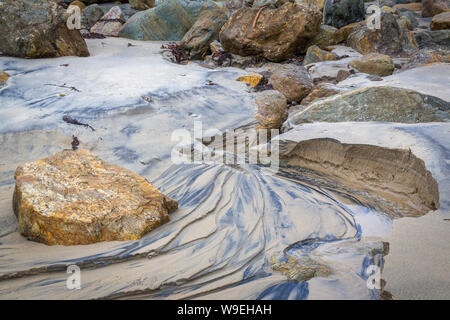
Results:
[169, 21]
[387, 104]
[73, 197]
[205, 30]
[37, 29]
[431, 8]
[388, 39]
[440, 21]
[339, 13]
[275, 34]
[271, 109]
[374, 63]
[293, 81]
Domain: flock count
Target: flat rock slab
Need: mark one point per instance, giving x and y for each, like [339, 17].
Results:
[73, 197]
[388, 104]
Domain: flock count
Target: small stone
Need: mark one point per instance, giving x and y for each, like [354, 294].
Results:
[271, 109]
[342, 34]
[342, 75]
[373, 77]
[293, 81]
[374, 63]
[253, 79]
[404, 24]
[440, 21]
[415, 6]
[315, 54]
[325, 37]
[3, 78]
[141, 4]
[216, 47]
[73, 198]
[387, 9]
[79, 4]
[431, 8]
[322, 90]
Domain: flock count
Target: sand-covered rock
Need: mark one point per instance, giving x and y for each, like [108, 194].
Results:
[275, 34]
[374, 63]
[73, 197]
[37, 29]
[293, 81]
[415, 6]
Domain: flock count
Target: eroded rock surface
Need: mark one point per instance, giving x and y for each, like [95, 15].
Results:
[393, 175]
[3, 78]
[441, 21]
[142, 4]
[73, 197]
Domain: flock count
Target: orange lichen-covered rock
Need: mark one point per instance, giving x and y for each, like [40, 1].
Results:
[73, 197]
